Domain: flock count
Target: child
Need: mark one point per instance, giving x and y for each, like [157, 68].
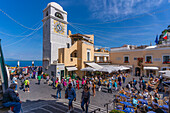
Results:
[27, 83]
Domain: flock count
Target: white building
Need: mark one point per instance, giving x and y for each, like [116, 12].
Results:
[54, 37]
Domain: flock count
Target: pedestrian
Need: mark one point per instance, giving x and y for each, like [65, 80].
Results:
[94, 89]
[39, 79]
[27, 83]
[47, 79]
[85, 99]
[59, 88]
[119, 80]
[70, 94]
[53, 82]
[77, 84]
[115, 85]
[56, 82]
[124, 78]
[65, 84]
[82, 83]
[99, 84]
[110, 87]
[10, 98]
[16, 82]
[134, 83]
[22, 83]
[73, 83]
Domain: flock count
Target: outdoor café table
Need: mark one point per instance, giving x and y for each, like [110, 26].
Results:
[129, 110]
[126, 103]
[143, 101]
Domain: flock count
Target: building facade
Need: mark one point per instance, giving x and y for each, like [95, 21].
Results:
[144, 60]
[66, 54]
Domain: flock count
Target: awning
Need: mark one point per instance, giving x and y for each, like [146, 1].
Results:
[94, 65]
[151, 68]
[88, 69]
[71, 68]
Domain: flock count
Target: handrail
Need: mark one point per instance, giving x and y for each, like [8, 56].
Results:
[98, 109]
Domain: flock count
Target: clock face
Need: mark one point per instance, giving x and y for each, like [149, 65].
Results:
[58, 27]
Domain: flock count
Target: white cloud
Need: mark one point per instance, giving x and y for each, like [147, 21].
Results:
[112, 9]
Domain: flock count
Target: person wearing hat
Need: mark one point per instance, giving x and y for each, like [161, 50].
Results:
[10, 98]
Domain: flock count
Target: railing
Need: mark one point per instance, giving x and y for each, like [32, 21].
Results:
[98, 109]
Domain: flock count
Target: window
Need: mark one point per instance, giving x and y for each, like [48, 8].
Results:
[148, 59]
[88, 54]
[126, 59]
[100, 59]
[47, 13]
[166, 59]
[68, 45]
[59, 15]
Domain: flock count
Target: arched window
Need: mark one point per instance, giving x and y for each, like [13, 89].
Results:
[59, 15]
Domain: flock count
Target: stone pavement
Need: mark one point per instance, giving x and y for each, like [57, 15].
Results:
[41, 99]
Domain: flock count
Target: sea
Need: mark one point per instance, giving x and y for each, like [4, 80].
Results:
[23, 63]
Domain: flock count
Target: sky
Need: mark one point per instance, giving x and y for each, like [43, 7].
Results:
[113, 23]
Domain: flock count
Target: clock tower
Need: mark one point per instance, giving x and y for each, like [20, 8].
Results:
[54, 33]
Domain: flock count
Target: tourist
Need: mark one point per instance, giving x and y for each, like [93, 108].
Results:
[39, 79]
[82, 83]
[135, 101]
[70, 94]
[94, 89]
[65, 84]
[124, 78]
[115, 85]
[119, 80]
[99, 84]
[134, 83]
[56, 82]
[16, 82]
[59, 88]
[10, 98]
[47, 79]
[53, 82]
[73, 83]
[22, 83]
[27, 83]
[77, 84]
[110, 87]
[85, 99]
[140, 84]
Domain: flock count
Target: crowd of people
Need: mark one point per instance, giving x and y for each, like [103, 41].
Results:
[136, 96]
[142, 96]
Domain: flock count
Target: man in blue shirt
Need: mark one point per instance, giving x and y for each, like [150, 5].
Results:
[135, 101]
[70, 94]
[10, 98]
